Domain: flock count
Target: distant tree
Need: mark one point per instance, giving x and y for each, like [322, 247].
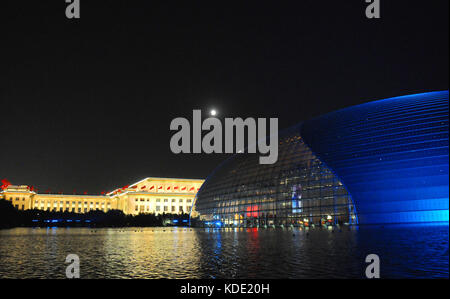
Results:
[9, 216]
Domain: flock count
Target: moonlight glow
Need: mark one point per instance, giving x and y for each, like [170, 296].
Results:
[213, 112]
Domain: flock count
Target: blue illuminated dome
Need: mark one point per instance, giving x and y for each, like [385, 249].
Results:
[381, 162]
[392, 155]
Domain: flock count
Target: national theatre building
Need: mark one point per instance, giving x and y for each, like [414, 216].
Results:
[150, 195]
[385, 161]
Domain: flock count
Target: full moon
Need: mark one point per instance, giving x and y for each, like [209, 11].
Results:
[213, 112]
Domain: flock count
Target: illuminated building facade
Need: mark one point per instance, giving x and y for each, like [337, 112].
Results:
[381, 162]
[150, 195]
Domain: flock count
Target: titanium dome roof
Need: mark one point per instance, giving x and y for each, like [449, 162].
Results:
[381, 162]
[392, 155]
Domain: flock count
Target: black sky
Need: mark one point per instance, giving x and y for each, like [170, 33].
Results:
[86, 104]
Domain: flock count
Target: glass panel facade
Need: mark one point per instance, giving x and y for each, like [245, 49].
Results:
[297, 190]
[392, 155]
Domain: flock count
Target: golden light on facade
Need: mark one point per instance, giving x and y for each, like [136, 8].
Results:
[150, 195]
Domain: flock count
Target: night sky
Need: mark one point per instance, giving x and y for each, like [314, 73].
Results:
[86, 104]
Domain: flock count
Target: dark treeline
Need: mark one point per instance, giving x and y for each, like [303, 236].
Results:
[11, 217]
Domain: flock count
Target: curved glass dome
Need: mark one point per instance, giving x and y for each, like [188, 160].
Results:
[392, 156]
[297, 190]
[381, 162]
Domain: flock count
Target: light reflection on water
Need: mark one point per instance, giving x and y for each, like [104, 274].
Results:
[405, 252]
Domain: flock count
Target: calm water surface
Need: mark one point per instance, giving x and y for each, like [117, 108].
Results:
[405, 252]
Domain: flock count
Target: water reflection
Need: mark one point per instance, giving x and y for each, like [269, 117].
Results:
[405, 252]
